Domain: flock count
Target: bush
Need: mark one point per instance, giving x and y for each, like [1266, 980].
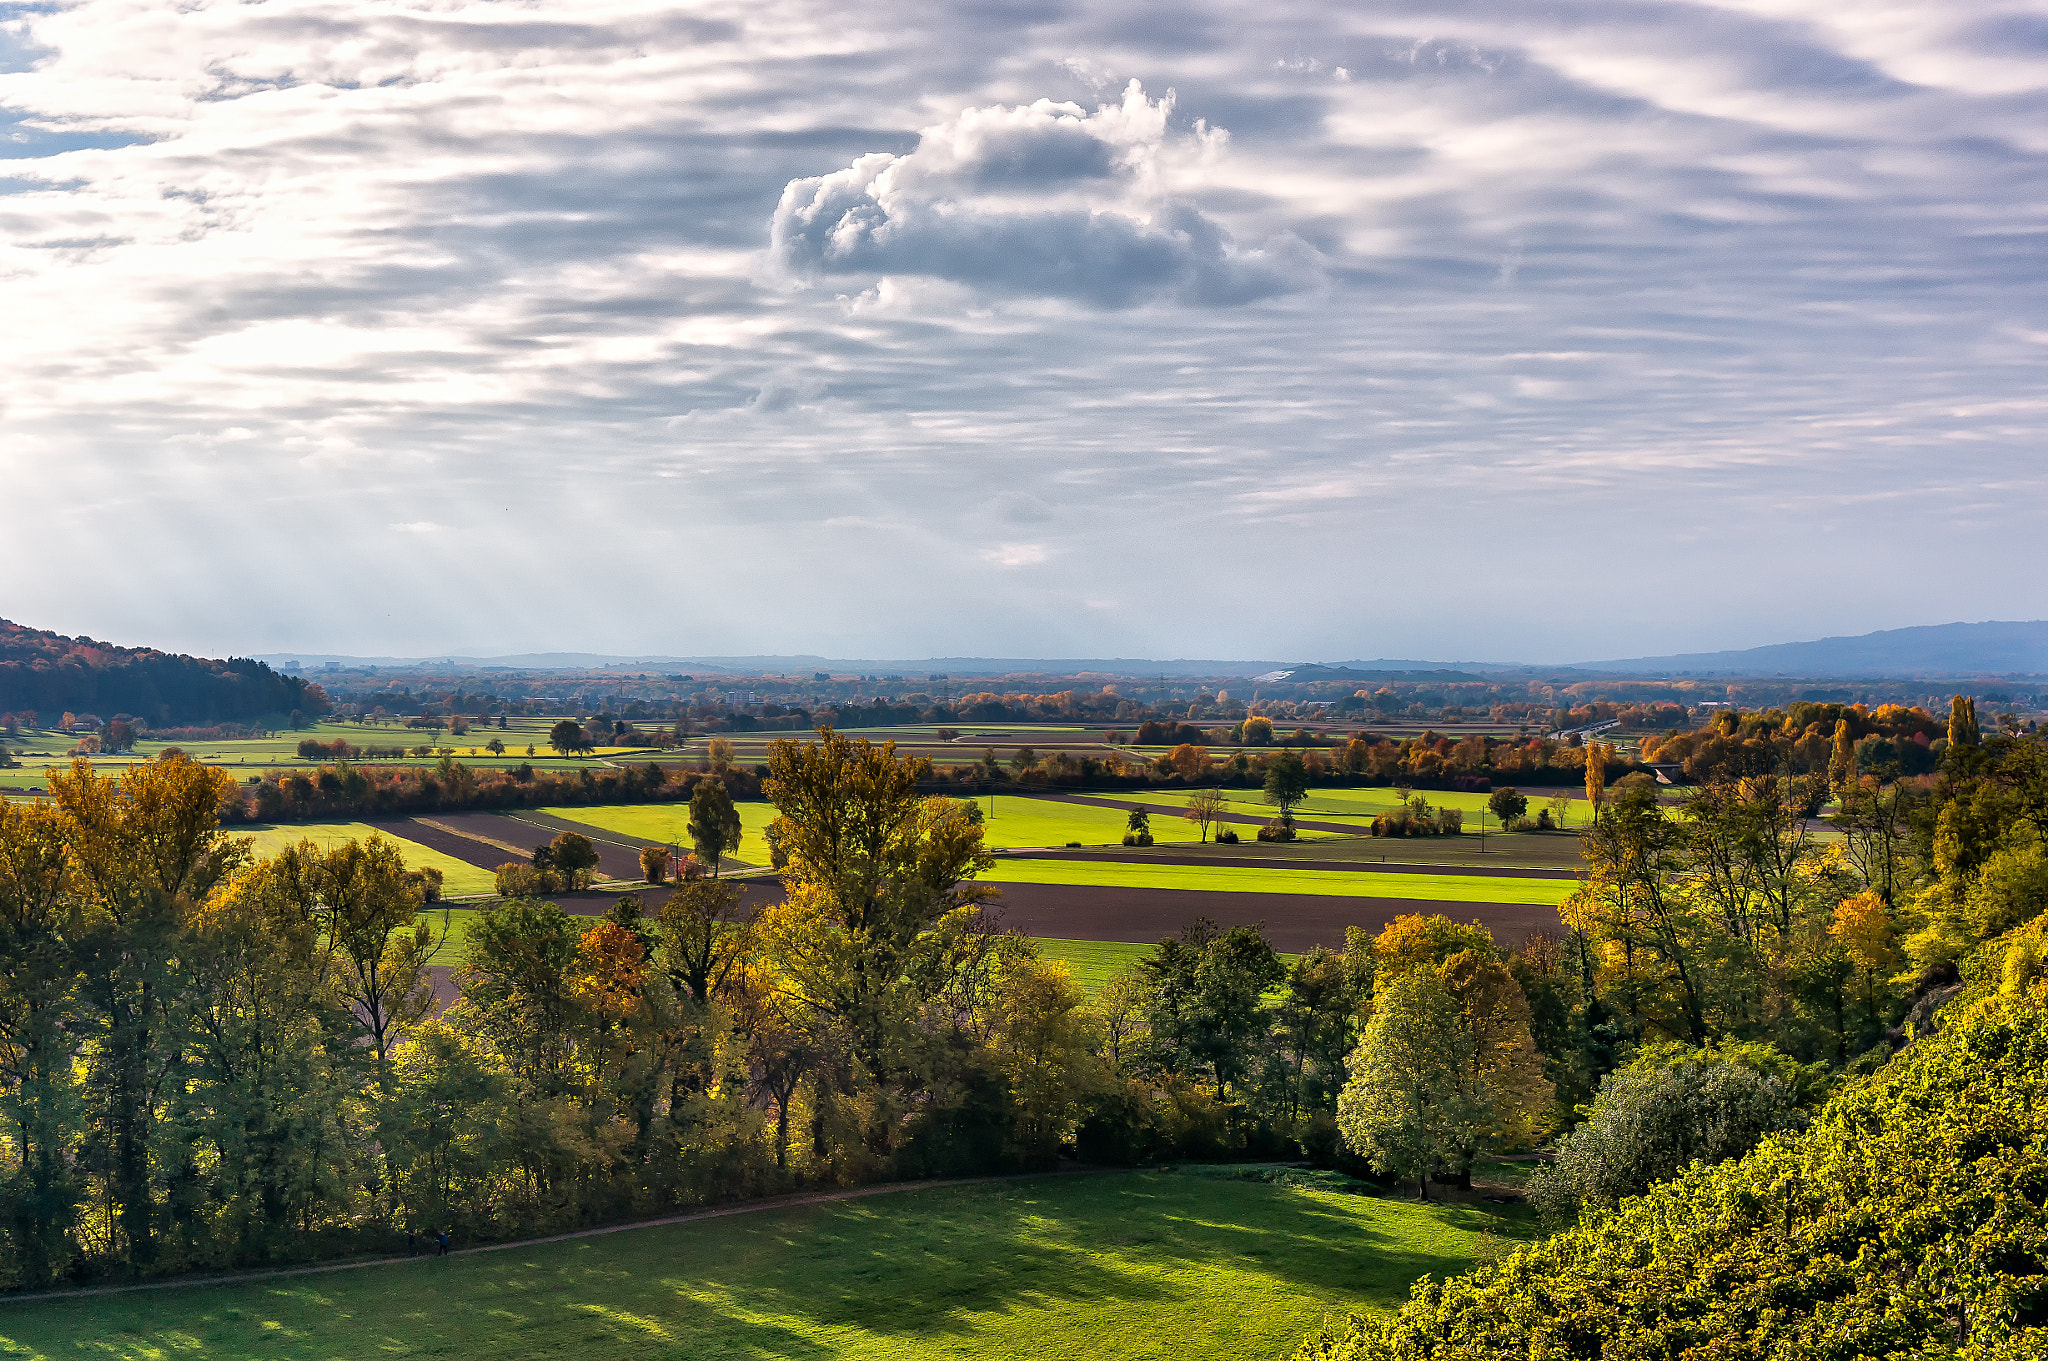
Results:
[1277, 830]
[1226, 836]
[1909, 1222]
[1652, 1120]
[523, 881]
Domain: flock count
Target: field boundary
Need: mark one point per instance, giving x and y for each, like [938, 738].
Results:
[720, 1212]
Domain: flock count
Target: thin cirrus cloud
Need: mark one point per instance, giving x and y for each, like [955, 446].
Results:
[1467, 330]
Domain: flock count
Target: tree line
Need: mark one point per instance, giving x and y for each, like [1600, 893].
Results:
[210, 1060]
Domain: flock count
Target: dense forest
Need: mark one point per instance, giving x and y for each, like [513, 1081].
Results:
[45, 674]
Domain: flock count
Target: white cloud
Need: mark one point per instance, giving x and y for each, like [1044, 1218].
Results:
[1047, 199]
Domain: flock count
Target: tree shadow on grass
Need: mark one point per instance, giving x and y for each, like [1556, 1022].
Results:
[942, 1265]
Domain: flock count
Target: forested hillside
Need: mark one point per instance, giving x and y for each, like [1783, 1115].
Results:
[48, 674]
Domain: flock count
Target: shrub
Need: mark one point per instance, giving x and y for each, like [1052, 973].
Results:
[1226, 836]
[1279, 829]
[523, 881]
[1909, 1222]
[1651, 1120]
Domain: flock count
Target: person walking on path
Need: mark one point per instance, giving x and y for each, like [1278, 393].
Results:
[442, 1239]
[412, 1243]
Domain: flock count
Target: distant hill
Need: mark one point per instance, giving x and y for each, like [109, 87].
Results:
[1992, 648]
[50, 673]
[793, 664]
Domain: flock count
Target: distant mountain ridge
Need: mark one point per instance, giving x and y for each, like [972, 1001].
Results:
[1993, 648]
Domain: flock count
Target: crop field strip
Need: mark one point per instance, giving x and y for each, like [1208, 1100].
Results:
[1234, 858]
[1213, 879]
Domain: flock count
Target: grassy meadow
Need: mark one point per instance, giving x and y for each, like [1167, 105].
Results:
[1125, 1264]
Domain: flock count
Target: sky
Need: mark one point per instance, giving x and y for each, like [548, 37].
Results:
[1481, 331]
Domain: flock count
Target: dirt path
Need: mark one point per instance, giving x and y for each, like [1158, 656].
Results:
[723, 1212]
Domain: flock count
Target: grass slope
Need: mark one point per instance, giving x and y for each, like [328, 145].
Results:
[1422, 887]
[1121, 1264]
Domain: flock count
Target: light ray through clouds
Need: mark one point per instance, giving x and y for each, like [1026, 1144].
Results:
[1108, 329]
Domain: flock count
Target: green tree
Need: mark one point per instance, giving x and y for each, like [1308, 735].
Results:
[1508, 804]
[40, 1098]
[1405, 1106]
[878, 917]
[146, 850]
[1286, 782]
[567, 738]
[573, 856]
[714, 823]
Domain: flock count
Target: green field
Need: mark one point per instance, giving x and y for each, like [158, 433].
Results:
[1016, 821]
[458, 878]
[668, 824]
[1128, 1265]
[1424, 887]
[1355, 802]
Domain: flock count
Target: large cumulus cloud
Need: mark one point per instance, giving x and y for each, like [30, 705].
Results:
[1046, 199]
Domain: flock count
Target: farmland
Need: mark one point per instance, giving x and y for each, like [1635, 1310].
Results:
[1117, 1264]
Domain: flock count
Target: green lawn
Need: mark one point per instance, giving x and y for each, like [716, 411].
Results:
[1091, 963]
[1128, 1265]
[1424, 887]
[457, 877]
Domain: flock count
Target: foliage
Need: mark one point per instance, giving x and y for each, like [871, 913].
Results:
[1653, 1119]
[1906, 1223]
[1448, 1063]
[45, 671]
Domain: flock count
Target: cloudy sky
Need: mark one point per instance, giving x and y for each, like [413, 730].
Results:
[1286, 329]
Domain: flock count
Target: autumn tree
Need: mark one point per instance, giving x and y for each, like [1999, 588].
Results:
[1842, 759]
[40, 1096]
[1962, 722]
[146, 851]
[879, 911]
[1189, 761]
[573, 856]
[654, 862]
[1406, 1107]
[1204, 808]
[366, 907]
